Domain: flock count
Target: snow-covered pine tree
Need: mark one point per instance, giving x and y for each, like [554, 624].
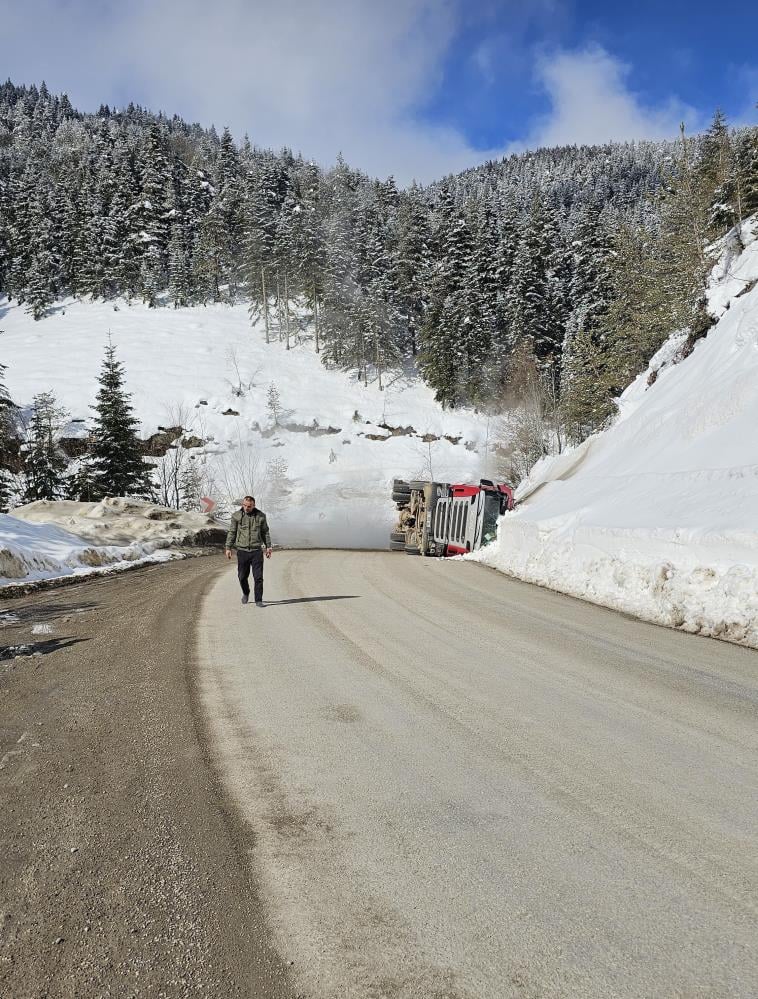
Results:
[5, 224]
[228, 205]
[746, 169]
[411, 264]
[122, 242]
[45, 463]
[151, 211]
[43, 277]
[191, 484]
[179, 260]
[6, 408]
[585, 390]
[309, 244]
[117, 465]
[586, 403]
[713, 177]
[526, 309]
[273, 403]
[443, 354]
[340, 287]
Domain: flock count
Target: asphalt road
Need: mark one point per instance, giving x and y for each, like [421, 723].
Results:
[463, 786]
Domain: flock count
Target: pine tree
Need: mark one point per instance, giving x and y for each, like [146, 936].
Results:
[118, 468]
[151, 211]
[179, 266]
[191, 484]
[273, 402]
[527, 296]
[585, 401]
[746, 172]
[6, 410]
[45, 463]
[411, 265]
[713, 178]
[444, 333]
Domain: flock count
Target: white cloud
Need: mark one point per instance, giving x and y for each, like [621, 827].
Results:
[747, 77]
[344, 75]
[348, 76]
[591, 103]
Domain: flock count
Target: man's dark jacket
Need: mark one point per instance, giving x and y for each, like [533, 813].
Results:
[248, 531]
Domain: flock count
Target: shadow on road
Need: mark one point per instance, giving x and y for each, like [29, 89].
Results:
[34, 612]
[38, 648]
[309, 600]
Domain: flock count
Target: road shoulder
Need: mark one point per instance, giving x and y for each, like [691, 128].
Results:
[124, 873]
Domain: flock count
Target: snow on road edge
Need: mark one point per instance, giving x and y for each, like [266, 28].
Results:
[657, 516]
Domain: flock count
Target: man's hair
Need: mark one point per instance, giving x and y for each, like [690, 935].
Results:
[248, 498]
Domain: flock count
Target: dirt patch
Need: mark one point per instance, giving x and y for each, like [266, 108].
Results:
[124, 872]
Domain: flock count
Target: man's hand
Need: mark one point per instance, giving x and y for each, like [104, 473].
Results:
[268, 552]
[229, 554]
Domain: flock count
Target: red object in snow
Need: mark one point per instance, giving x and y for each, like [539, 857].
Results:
[207, 505]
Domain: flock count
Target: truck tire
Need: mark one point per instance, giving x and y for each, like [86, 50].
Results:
[418, 483]
[397, 546]
[397, 536]
[411, 550]
[401, 497]
[400, 486]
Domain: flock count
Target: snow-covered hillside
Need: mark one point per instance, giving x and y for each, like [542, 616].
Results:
[658, 515]
[322, 468]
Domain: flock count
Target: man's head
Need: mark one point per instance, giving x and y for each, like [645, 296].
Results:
[248, 504]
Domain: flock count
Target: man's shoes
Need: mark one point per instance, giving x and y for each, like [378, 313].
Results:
[259, 603]
[245, 598]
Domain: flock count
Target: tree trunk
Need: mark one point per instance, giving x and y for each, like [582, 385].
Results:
[315, 314]
[265, 301]
[279, 306]
[287, 311]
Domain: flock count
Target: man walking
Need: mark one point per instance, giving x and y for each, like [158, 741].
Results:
[249, 534]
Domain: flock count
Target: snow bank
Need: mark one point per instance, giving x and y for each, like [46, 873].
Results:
[119, 521]
[44, 539]
[658, 515]
[322, 468]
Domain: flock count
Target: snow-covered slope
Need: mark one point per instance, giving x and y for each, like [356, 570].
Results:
[315, 469]
[44, 540]
[658, 515]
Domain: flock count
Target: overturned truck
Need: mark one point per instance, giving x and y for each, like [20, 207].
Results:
[440, 518]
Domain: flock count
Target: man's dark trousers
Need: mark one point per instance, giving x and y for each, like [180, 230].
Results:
[247, 560]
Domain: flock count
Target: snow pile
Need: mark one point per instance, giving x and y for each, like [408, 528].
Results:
[44, 539]
[658, 515]
[321, 466]
[119, 521]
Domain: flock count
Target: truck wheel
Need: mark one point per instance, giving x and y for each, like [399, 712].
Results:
[400, 486]
[397, 536]
[397, 546]
[418, 483]
[411, 550]
[401, 497]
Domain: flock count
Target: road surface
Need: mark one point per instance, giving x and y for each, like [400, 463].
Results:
[122, 872]
[462, 786]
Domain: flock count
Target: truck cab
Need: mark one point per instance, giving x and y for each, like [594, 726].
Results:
[440, 518]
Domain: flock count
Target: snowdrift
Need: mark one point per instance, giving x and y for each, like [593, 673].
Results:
[49, 539]
[321, 465]
[658, 515]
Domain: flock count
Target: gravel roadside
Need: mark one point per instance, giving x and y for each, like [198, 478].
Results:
[123, 871]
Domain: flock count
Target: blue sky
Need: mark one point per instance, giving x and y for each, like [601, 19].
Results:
[416, 88]
[671, 51]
